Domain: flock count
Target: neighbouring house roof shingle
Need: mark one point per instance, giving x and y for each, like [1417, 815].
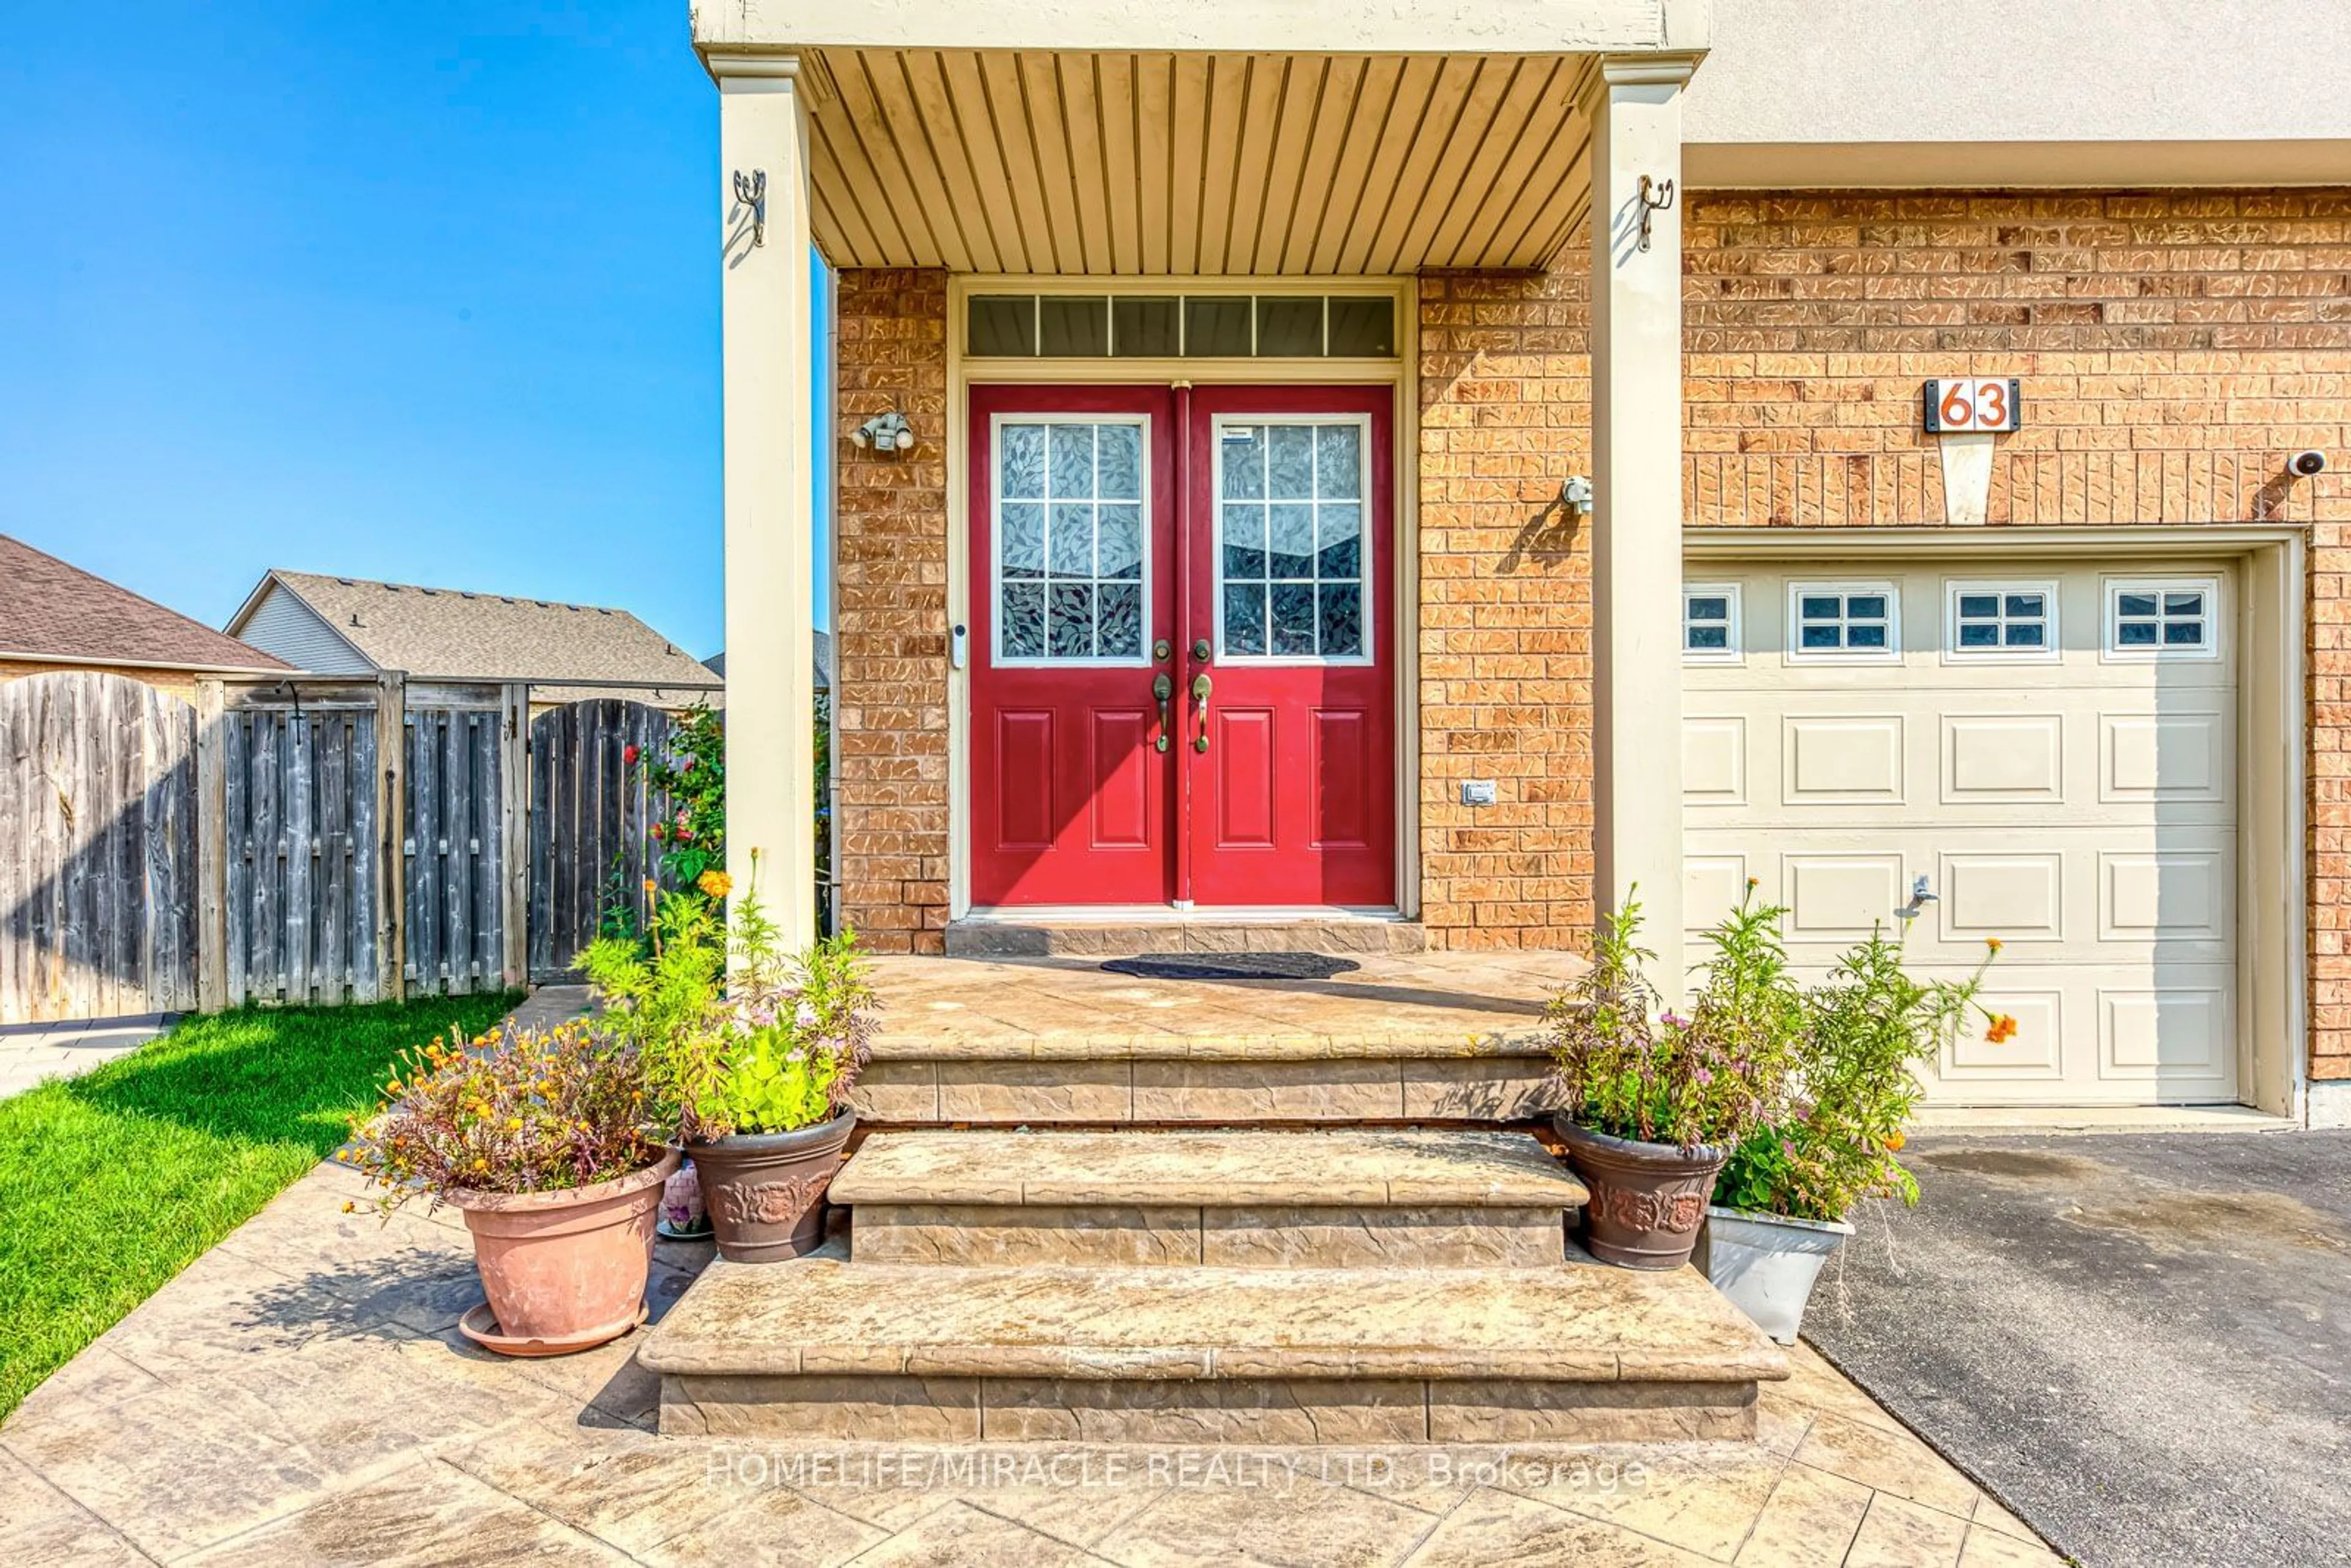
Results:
[51, 610]
[440, 634]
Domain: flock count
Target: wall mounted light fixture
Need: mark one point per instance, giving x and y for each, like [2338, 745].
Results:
[884, 433]
[1576, 495]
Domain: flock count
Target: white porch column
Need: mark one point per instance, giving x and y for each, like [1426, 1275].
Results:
[1635, 107]
[769, 452]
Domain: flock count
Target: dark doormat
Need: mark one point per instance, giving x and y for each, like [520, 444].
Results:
[1233, 967]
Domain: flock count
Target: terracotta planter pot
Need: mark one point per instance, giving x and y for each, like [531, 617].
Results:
[765, 1190]
[567, 1269]
[1647, 1199]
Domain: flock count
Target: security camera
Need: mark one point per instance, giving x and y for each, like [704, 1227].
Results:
[2305, 464]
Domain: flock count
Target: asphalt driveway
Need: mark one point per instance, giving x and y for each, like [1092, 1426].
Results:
[2141, 1343]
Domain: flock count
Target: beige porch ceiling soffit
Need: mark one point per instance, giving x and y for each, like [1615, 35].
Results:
[1192, 139]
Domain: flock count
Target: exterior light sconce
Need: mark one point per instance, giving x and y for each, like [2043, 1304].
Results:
[1576, 495]
[884, 433]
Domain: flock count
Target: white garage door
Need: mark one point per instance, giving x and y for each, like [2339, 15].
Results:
[2049, 748]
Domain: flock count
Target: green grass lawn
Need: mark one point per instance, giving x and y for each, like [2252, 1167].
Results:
[112, 1183]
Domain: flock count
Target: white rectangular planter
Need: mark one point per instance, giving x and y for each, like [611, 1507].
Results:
[1766, 1264]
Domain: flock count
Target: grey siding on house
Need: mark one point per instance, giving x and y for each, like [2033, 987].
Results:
[284, 625]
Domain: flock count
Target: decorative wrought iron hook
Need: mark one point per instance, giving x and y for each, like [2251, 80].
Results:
[1656, 197]
[751, 191]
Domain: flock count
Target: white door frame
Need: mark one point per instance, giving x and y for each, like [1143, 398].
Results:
[2272, 745]
[1404, 591]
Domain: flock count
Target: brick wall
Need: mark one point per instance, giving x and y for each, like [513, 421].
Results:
[2174, 347]
[1505, 609]
[890, 612]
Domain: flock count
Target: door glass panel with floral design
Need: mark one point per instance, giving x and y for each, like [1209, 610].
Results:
[1070, 534]
[1290, 540]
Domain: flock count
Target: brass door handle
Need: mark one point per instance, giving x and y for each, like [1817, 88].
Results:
[1201, 686]
[1163, 688]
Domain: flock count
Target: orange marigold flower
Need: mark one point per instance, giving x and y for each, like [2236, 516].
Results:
[1894, 1140]
[1993, 943]
[2003, 1028]
[348, 1206]
[651, 885]
[715, 883]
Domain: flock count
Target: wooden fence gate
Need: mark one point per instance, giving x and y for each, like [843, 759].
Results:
[97, 862]
[354, 839]
[590, 815]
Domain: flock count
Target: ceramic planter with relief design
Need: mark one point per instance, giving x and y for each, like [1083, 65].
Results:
[765, 1190]
[1647, 1199]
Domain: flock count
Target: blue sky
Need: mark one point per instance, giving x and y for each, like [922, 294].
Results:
[425, 291]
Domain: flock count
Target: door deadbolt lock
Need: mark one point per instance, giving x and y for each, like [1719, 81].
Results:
[1200, 650]
[1161, 649]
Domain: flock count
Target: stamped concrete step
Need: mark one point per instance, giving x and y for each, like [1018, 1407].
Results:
[1076, 933]
[1224, 1198]
[1428, 1037]
[859, 1351]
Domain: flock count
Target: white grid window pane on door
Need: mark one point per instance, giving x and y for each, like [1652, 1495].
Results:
[1990, 618]
[1831, 619]
[1070, 529]
[1710, 622]
[1290, 541]
[2157, 618]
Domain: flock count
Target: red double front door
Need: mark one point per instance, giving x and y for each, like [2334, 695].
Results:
[1182, 646]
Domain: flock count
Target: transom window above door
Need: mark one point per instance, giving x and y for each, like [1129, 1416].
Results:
[2002, 620]
[1289, 539]
[1181, 326]
[1072, 532]
[1844, 621]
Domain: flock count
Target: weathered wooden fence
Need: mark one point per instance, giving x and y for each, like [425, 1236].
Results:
[590, 814]
[98, 860]
[354, 837]
[309, 840]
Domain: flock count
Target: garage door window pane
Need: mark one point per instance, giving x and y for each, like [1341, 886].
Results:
[2001, 620]
[2157, 619]
[1710, 622]
[1858, 620]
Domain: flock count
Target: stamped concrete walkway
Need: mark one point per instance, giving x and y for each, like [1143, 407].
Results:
[301, 1394]
[30, 1053]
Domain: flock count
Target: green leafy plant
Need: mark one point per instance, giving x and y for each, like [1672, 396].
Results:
[617, 905]
[514, 1110]
[774, 1046]
[689, 771]
[801, 1029]
[1633, 1070]
[1863, 1033]
[664, 994]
